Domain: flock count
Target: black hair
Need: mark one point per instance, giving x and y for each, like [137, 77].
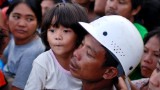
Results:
[34, 5]
[150, 14]
[4, 3]
[136, 3]
[154, 32]
[111, 60]
[66, 14]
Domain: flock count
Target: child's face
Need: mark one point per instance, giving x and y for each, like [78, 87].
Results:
[154, 81]
[61, 40]
[22, 22]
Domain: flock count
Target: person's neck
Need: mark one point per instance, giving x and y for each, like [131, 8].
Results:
[64, 59]
[25, 41]
[98, 85]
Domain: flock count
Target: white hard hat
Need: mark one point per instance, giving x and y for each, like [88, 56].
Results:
[120, 37]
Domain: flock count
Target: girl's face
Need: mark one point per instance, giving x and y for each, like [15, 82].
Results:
[154, 81]
[150, 56]
[22, 22]
[62, 40]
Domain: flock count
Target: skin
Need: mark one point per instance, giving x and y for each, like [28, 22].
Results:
[154, 81]
[87, 64]
[150, 57]
[88, 59]
[99, 7]
[46, 5]
[61, 41]
[121, 7]
[22, 24]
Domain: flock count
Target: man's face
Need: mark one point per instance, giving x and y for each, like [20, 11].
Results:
[88, 59]
[119, 7]
[46, 5]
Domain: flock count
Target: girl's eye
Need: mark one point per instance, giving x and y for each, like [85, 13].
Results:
[66, 31]
[157, 55]
[51, 30]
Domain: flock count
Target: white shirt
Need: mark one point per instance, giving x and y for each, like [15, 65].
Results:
[47, 73]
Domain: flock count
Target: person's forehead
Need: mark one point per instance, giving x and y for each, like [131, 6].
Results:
[92, 42]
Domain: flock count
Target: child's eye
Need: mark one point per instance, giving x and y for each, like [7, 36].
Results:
[51, 30]
[66, 31]
[157, 55]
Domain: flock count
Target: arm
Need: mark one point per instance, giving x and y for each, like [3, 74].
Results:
[123, 86]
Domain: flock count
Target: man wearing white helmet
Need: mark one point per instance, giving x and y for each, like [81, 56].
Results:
[112, 48]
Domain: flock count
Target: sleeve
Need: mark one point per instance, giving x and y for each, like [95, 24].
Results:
[36, 80]
[139, 83]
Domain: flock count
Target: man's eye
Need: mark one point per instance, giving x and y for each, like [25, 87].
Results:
[89, 54]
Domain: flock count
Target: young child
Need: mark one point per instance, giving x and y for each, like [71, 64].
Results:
[51, 68]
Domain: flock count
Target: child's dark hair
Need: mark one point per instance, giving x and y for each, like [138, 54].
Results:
[33, 4]
[65, 14]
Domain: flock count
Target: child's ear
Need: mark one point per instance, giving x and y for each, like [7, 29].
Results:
[110, 73]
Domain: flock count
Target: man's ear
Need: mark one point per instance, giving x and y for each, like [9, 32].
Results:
[136, 11]
[110, 73]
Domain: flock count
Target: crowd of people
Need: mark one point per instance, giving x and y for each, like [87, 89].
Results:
[80, 44]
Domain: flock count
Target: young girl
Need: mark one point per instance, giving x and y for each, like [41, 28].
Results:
[24, 16]
[51, 68]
